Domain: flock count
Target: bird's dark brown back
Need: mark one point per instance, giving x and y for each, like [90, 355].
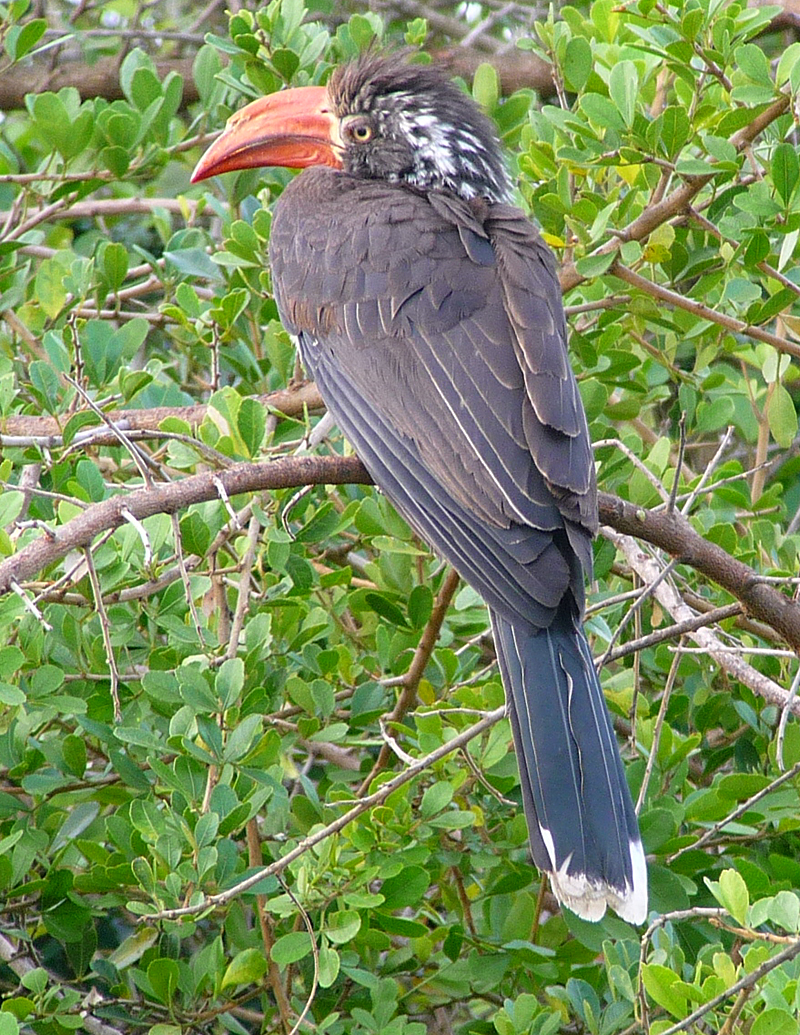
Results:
[444, 318]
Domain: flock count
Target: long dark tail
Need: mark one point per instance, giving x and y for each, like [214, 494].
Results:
[581, 820]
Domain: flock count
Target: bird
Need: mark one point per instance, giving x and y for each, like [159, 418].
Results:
[427, 308]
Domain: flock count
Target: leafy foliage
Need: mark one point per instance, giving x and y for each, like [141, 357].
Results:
[198, 695]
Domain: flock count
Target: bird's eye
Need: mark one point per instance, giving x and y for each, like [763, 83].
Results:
[361, 132]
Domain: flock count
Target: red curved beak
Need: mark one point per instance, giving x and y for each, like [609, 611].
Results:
[293, 128]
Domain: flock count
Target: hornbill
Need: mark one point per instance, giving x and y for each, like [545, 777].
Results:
[428, 310]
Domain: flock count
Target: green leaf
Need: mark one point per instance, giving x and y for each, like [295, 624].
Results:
[578, 62]
[11, 695]
[753, 62]
[242, 738]
[23, 38]
[116, 160]
[131, 382]
[195, 533]
[247, 967]
[251, 421]
[135, 60]
[329, 964]
[774, 1021]
[163, 975]
[623, 86]
[711, 416]
[406, 889]
[115, 265]
[385, 608]
[594, 265]
[782, 416]
[46, 382]
[285, 62]
[73, 750]
[134, 947]
[785, 170]
[436, 797]
[35, 980]
[420, 605]
[52, 120]
[49, 287]
[416, 32]
[9, 1025]
[205, 68]
[320, 526]
[485, 86]
[659, 981]
[11, 503]
[732, 894]
[788, 61]
[79, 420]
[229, 681]
[785, 911]
[343, 926]
[145, 88]
[291, 947]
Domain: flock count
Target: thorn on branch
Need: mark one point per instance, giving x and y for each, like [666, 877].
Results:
[29, 605]
[142, 531]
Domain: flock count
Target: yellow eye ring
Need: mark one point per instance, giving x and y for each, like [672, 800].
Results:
[361, 133]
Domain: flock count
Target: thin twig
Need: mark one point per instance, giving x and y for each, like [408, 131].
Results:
[679, 465]
[243, 601]
[691, 305]
[637, 463]
[187, 586]
[649, 588]
[29, 605]
[785, 713]
[416, 669]
[254, 858]
[710, 468]
[737, 812]
[314, 951]
[670, 599]
[673, 632]
[662, 714]
[105, 628]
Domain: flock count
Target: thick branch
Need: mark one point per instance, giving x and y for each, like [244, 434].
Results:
[172, 497]
[669, 531]
[516, 70]
[98, 80]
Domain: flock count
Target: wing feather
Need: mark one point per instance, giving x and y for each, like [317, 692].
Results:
[447, 321]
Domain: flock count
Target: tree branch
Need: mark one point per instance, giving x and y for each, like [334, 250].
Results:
[669, 531]
[291, 402]
[98, 80]
[673, 533]
[670, 599]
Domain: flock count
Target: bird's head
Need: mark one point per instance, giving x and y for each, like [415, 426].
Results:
[378, 118]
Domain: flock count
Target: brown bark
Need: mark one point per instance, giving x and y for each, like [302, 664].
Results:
[292, 402]
[669, 531]
[98, 80]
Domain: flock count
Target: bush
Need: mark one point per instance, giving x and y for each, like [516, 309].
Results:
[204, 824]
